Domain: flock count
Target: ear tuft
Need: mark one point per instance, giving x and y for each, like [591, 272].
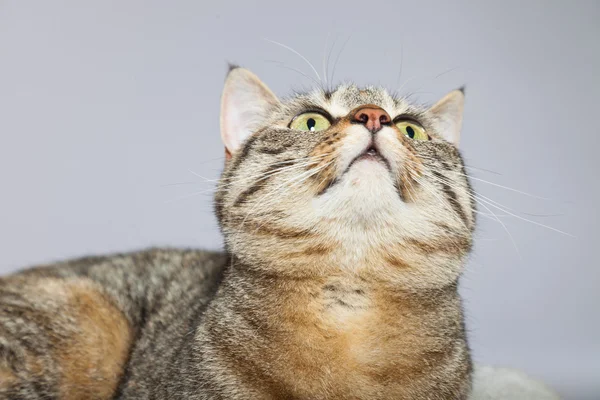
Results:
[245, 103]
[448, 114]
[231, 67]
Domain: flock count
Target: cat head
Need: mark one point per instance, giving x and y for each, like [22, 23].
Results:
[353, 179]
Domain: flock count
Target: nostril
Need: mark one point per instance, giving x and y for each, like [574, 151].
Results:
[373, 117]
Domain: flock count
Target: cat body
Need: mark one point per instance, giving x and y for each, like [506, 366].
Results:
[161, 336]
[347, 217]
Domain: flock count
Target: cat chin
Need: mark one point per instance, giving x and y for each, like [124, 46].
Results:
[367, 171]
[367, 189]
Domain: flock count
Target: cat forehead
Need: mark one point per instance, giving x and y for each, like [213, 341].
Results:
[348, 97]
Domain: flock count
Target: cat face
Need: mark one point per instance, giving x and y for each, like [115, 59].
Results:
[348, 179]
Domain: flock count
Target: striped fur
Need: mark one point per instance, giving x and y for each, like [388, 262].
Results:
[338, 281]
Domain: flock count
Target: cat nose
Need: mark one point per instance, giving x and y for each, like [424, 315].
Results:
[372, 117]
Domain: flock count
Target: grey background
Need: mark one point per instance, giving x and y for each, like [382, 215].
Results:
[104, 103]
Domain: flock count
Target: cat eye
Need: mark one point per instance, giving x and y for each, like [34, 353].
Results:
[311, 122]
[412, 129]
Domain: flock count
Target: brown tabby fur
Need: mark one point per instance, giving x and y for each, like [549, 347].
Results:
[335, 286]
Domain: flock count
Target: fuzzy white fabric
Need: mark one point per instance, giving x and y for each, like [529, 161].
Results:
[491, 383]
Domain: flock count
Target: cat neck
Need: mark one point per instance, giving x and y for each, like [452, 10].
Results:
[352, 327]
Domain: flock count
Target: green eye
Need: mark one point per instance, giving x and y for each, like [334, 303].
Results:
[312, 122]
[412, 130]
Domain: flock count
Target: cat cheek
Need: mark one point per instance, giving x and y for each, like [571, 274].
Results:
[390, 147]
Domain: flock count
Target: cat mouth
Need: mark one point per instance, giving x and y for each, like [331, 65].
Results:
[370, 153]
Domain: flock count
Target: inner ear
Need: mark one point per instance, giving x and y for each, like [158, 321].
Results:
[245, 104]
[448, 114]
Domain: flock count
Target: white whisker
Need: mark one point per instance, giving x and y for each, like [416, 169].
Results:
[401, 64]
[338, 57]
[179, 183]
[261, 201]
[483, 199]
[323, 66]
[298, 54]
[187, 196]
[284, 65]
[481, 169]
[509, 188]
[327, 62]
[301, 181]
[528, 220]
[512, 239]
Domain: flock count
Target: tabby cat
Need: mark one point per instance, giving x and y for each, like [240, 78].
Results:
[347, 218]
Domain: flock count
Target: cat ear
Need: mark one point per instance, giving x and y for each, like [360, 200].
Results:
[244, 105]
[448, 114]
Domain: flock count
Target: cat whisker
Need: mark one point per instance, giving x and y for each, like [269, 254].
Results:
[509, 188]
[222, 158]
[492, 183]
[487, 214]
[261, 201]
[483, 199]
[411, 94]
[202, 177]
[301, 181]
[259, 177]
[467, 166]
[510, 236]
[299, 163]
[411, 185]
[318, 157]
[323, 66]
[284, 65]
[432, 190]
[447, 72]
[514, 190]
[327, 62]
[401, 64]
[446, 205]
[406, 82]
[187, 196]
[528, 220]
[426, 184]
[302, 177]
[338, 57]
[298, 54]
[494, 216]
[179, 184]
[424, 157]
[428, 80]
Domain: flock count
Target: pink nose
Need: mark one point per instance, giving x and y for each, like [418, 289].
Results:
[372, 117]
